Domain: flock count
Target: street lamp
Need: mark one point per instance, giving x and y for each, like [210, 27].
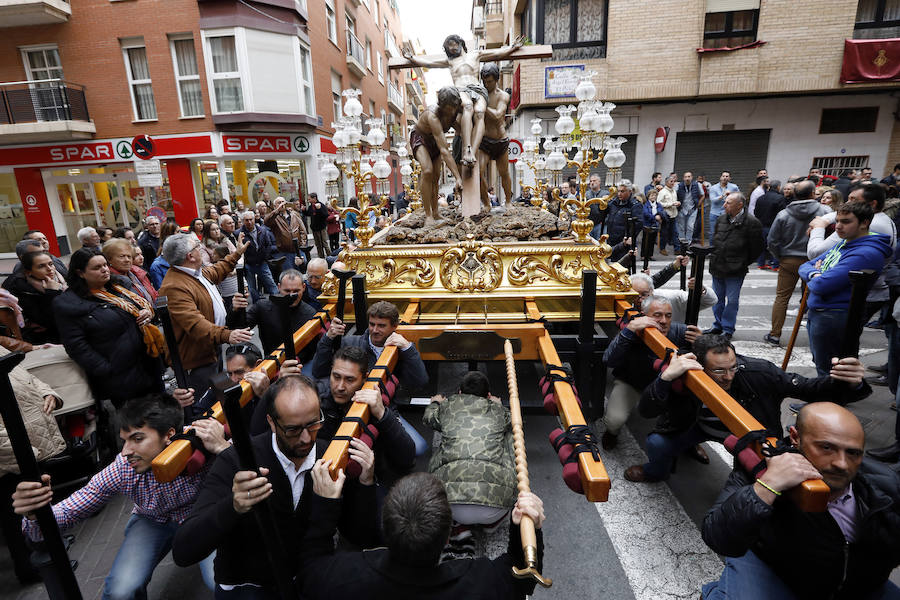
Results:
[361, 169]
[410, 171]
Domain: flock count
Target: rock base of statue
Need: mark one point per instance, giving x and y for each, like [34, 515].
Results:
[515, 223]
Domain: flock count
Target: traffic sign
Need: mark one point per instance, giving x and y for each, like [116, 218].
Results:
[515, 150]
[143, 147]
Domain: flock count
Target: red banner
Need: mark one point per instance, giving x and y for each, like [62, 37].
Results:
[35, 204]
[516, 97]
[871, 60]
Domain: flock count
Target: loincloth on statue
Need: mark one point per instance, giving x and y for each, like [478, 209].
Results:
[475, 90]
[494, 148]
[417, 138]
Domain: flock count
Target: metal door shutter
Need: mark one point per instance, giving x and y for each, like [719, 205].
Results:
[709, 153]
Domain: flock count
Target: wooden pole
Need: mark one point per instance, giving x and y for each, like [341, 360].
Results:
[790, 347]
[526, 526]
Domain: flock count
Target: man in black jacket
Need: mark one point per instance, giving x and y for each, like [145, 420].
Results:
[261, 247]
[758, 385]
[632, 362]
[776, 550]
[148, 241]
[268, 316]
[737, 241]
[318, 220]
[220, 518]
[767, 208]
[416, 522]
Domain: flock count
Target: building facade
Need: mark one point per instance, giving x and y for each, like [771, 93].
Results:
[733, 85]
[111, 109]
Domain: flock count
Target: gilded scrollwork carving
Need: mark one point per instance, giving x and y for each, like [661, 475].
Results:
[527, 269]
[471, 267]
[418, 272]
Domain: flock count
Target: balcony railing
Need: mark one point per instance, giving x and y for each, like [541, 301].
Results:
[390, 46]
[42, 101]
[355, 49]
[395, 98]
[415, 88]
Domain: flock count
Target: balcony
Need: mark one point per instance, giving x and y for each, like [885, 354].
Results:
[356, 55]
[395, 98]
[390, 46]
[493, 24]
[414, 90]
[48, 110]
[21, 13]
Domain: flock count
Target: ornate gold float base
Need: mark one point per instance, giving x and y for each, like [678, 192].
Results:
[477, 282]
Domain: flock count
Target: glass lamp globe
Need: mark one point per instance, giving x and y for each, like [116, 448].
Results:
[352, 106]
[565, 124]
[604, 121]
[614, 157]
[405, 170]
[536, 128]
[353, 135]
[331, 172]
[382, 169]
[402, 152]
[586, 90]
[376, 136]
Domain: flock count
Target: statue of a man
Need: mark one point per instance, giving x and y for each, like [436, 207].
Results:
[428, 143]
[495, 143]
[463, 66]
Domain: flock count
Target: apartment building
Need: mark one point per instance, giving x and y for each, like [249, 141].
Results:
[727, 84]
[112, 109]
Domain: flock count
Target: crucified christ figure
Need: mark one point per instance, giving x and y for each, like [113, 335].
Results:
[464, 69]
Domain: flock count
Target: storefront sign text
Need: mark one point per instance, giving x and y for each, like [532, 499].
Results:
[560, 82]
[278, 144]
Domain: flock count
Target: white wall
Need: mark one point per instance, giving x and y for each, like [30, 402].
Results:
[273, 72]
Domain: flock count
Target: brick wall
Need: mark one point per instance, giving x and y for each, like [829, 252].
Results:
[92, 56]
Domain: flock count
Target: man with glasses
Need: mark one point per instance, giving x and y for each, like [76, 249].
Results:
[268, 317]
[220, 519]
[758, 385]
[315, 277]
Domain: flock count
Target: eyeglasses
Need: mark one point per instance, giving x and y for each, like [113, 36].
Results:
[722, 372]
[295, 431]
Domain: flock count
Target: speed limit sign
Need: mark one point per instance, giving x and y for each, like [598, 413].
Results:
[515, 150]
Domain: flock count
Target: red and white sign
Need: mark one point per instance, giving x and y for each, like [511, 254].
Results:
[242, 144]
[103, 151]
[515, 150]
[659, 140]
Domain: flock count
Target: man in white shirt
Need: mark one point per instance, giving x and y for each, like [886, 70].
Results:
[717, 194]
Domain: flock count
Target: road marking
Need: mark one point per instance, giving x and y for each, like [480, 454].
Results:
[658, 545]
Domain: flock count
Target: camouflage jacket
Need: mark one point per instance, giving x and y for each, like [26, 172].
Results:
[475, 458]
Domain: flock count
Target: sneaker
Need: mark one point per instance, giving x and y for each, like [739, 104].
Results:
[712, 331]
[772, 339]
[664, 252]
[879, 368]
[792, 312]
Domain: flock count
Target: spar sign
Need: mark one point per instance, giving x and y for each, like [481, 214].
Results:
[265, 144]
[106, 151]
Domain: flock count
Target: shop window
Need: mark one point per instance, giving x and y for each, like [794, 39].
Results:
[225, 74]
[727, 29]
[187, 77]
[877, 19]
[575, 28]
[12, 218]
[139, 83]
[306, 82]
[861, 119]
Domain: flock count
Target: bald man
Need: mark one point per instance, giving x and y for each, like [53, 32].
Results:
[777, 551]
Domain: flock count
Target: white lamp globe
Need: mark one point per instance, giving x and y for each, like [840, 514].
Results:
[402, 152]
[382, 169]
[536, 128]
[586, 90]
[352, 106]
[405, 170]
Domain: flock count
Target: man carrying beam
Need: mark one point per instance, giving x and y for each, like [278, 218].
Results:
[776, 551]
[147, 426]
[758, 385]
[220, 521]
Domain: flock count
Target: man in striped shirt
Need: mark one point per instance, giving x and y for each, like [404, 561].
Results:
[147, 426]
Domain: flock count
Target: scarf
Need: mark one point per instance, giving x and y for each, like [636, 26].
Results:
[133, 304]
[8, 300]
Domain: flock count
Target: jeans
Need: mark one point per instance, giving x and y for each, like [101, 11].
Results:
[265, 276]
[711, 227]
[749, 578]
[662, 450]
[826, 330]
[685, 225]
[146, 543]
[788, 275]
[725, 310]
[765, 258]
[418, 440]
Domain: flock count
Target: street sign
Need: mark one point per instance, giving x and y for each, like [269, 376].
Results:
[150, 179]
[515, 150]
[146, 167]
[158, 212]
[143, 147]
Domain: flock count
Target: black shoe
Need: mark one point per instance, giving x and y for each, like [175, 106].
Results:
[609, 441]
[772, 339]
[877, 380]
[697, 453]
[888, 454]
[879, 368]
[727, 336]
[712, 331]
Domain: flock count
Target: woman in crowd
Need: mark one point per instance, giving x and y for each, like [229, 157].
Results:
[35, 289]
[106, 328]
[833, 199]
[126, 233]
[212, 237]
[159, 267]
[196, 228]
[333, 228]
[120, 256]
[212, 213]
[105, 233]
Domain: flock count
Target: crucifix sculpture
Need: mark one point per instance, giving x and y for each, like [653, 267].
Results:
[464, 65]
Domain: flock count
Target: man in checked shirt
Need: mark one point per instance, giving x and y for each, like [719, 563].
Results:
[146, 426]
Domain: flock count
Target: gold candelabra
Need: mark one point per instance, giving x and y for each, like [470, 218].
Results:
[413, 193]
[360, 177]
[581, 206]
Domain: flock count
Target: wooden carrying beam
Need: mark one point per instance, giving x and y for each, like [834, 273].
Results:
[811, 495]
[171, 461]
[337, 450]
[523, 53]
